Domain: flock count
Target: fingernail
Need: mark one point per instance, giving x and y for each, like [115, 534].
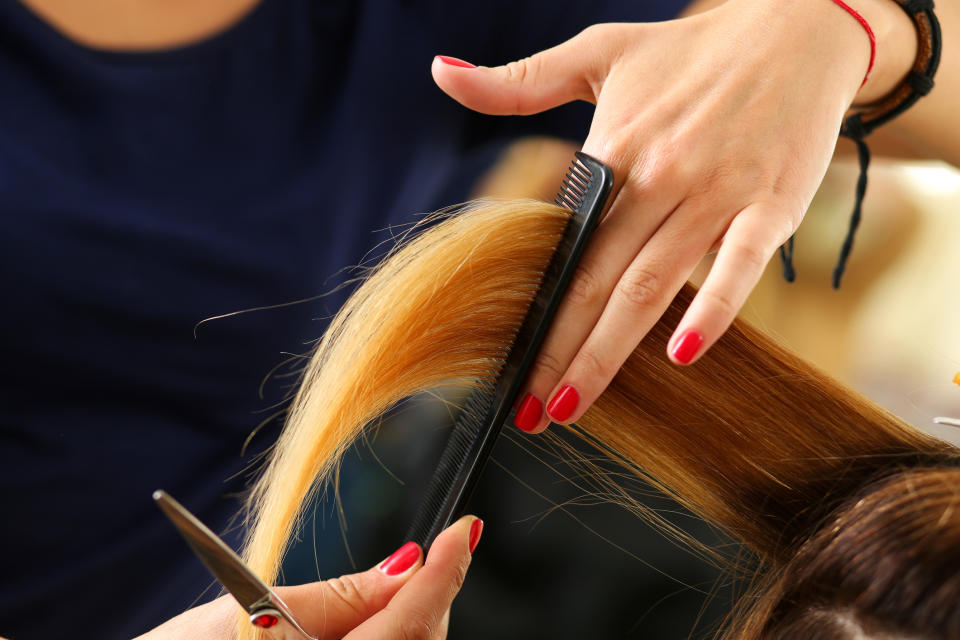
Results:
[528, 413]
[401, 559]
[456, 62]
[475, 530]
[687, 346]
[564, 403]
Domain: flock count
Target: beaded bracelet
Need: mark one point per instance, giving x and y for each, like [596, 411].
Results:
[918, 83]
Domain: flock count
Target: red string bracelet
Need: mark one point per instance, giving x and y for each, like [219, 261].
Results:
[866, 27]
[917, 83]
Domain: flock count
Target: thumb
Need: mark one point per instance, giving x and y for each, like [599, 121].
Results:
[573, 70]
[420, 608]
[331, 608]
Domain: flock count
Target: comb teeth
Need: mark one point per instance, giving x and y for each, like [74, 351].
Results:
[574, 186]
[432, 518]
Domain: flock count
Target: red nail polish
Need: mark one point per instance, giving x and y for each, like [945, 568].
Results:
[475, 530]
[528, 413]
[401, 559]
[687, 346]
[564, 403]
[456, 62]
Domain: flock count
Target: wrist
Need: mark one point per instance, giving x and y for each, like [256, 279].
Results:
[896, 44]
[834, 36]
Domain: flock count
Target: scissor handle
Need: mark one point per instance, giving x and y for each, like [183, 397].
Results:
[267, 610]
[278, 623]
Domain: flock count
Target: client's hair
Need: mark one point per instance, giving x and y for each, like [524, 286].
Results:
[854, 515]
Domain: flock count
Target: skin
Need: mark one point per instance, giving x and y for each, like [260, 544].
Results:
[142, 25]
[414, 605]
[719, 128]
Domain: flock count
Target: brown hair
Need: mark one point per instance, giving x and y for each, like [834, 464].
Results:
[839, 499]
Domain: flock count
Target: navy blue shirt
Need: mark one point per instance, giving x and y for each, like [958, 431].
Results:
[142, 193]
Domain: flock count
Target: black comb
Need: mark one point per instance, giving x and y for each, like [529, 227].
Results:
[584, 191]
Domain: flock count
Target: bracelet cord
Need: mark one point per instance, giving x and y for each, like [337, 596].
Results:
[918, 83]
[866, 27]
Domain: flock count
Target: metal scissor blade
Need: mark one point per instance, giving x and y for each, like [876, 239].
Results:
[249, 590]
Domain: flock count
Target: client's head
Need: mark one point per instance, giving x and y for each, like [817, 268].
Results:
[885, 565]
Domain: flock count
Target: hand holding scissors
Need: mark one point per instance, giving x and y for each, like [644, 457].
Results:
[402, 597]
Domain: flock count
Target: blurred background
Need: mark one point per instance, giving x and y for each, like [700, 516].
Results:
[556, 561]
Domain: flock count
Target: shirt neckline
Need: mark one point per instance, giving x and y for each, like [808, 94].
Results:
[41, 29]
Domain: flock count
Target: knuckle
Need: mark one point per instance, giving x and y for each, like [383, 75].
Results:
[721, 301]
[518, 70]
[782, 219]
[657, 167]
[444, 626]
[596, 35]
[590, 362]
[725, 173]
[791, 225]
[723, 179]
[460, 573]
[593, 32]
[783, 196]
[548, 366]
[794, 215]
[347, 590]
[522, 73]
[416, 627]
[784, 184]
[585, 289]
[608, 37]
[750, 256]
[639, 289]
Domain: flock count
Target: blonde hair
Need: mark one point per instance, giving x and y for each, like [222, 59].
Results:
[751, 438]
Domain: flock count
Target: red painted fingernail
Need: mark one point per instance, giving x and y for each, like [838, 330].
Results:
[401, 559]
[528, 413]
[564, 403]
[687, 346]
[456, 62]
[475, 530]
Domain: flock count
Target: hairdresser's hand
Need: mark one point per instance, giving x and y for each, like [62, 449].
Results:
[719, 128]
[399, 599]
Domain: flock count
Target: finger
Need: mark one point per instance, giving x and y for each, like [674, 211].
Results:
[573, 70]
[642, 294]
[331, 608]
[417, 610]
[751, 240]
[633, 218]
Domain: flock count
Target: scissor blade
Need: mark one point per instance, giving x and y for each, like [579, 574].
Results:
[225, 565]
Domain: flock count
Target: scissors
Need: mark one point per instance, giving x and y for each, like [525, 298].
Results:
[265, 607]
